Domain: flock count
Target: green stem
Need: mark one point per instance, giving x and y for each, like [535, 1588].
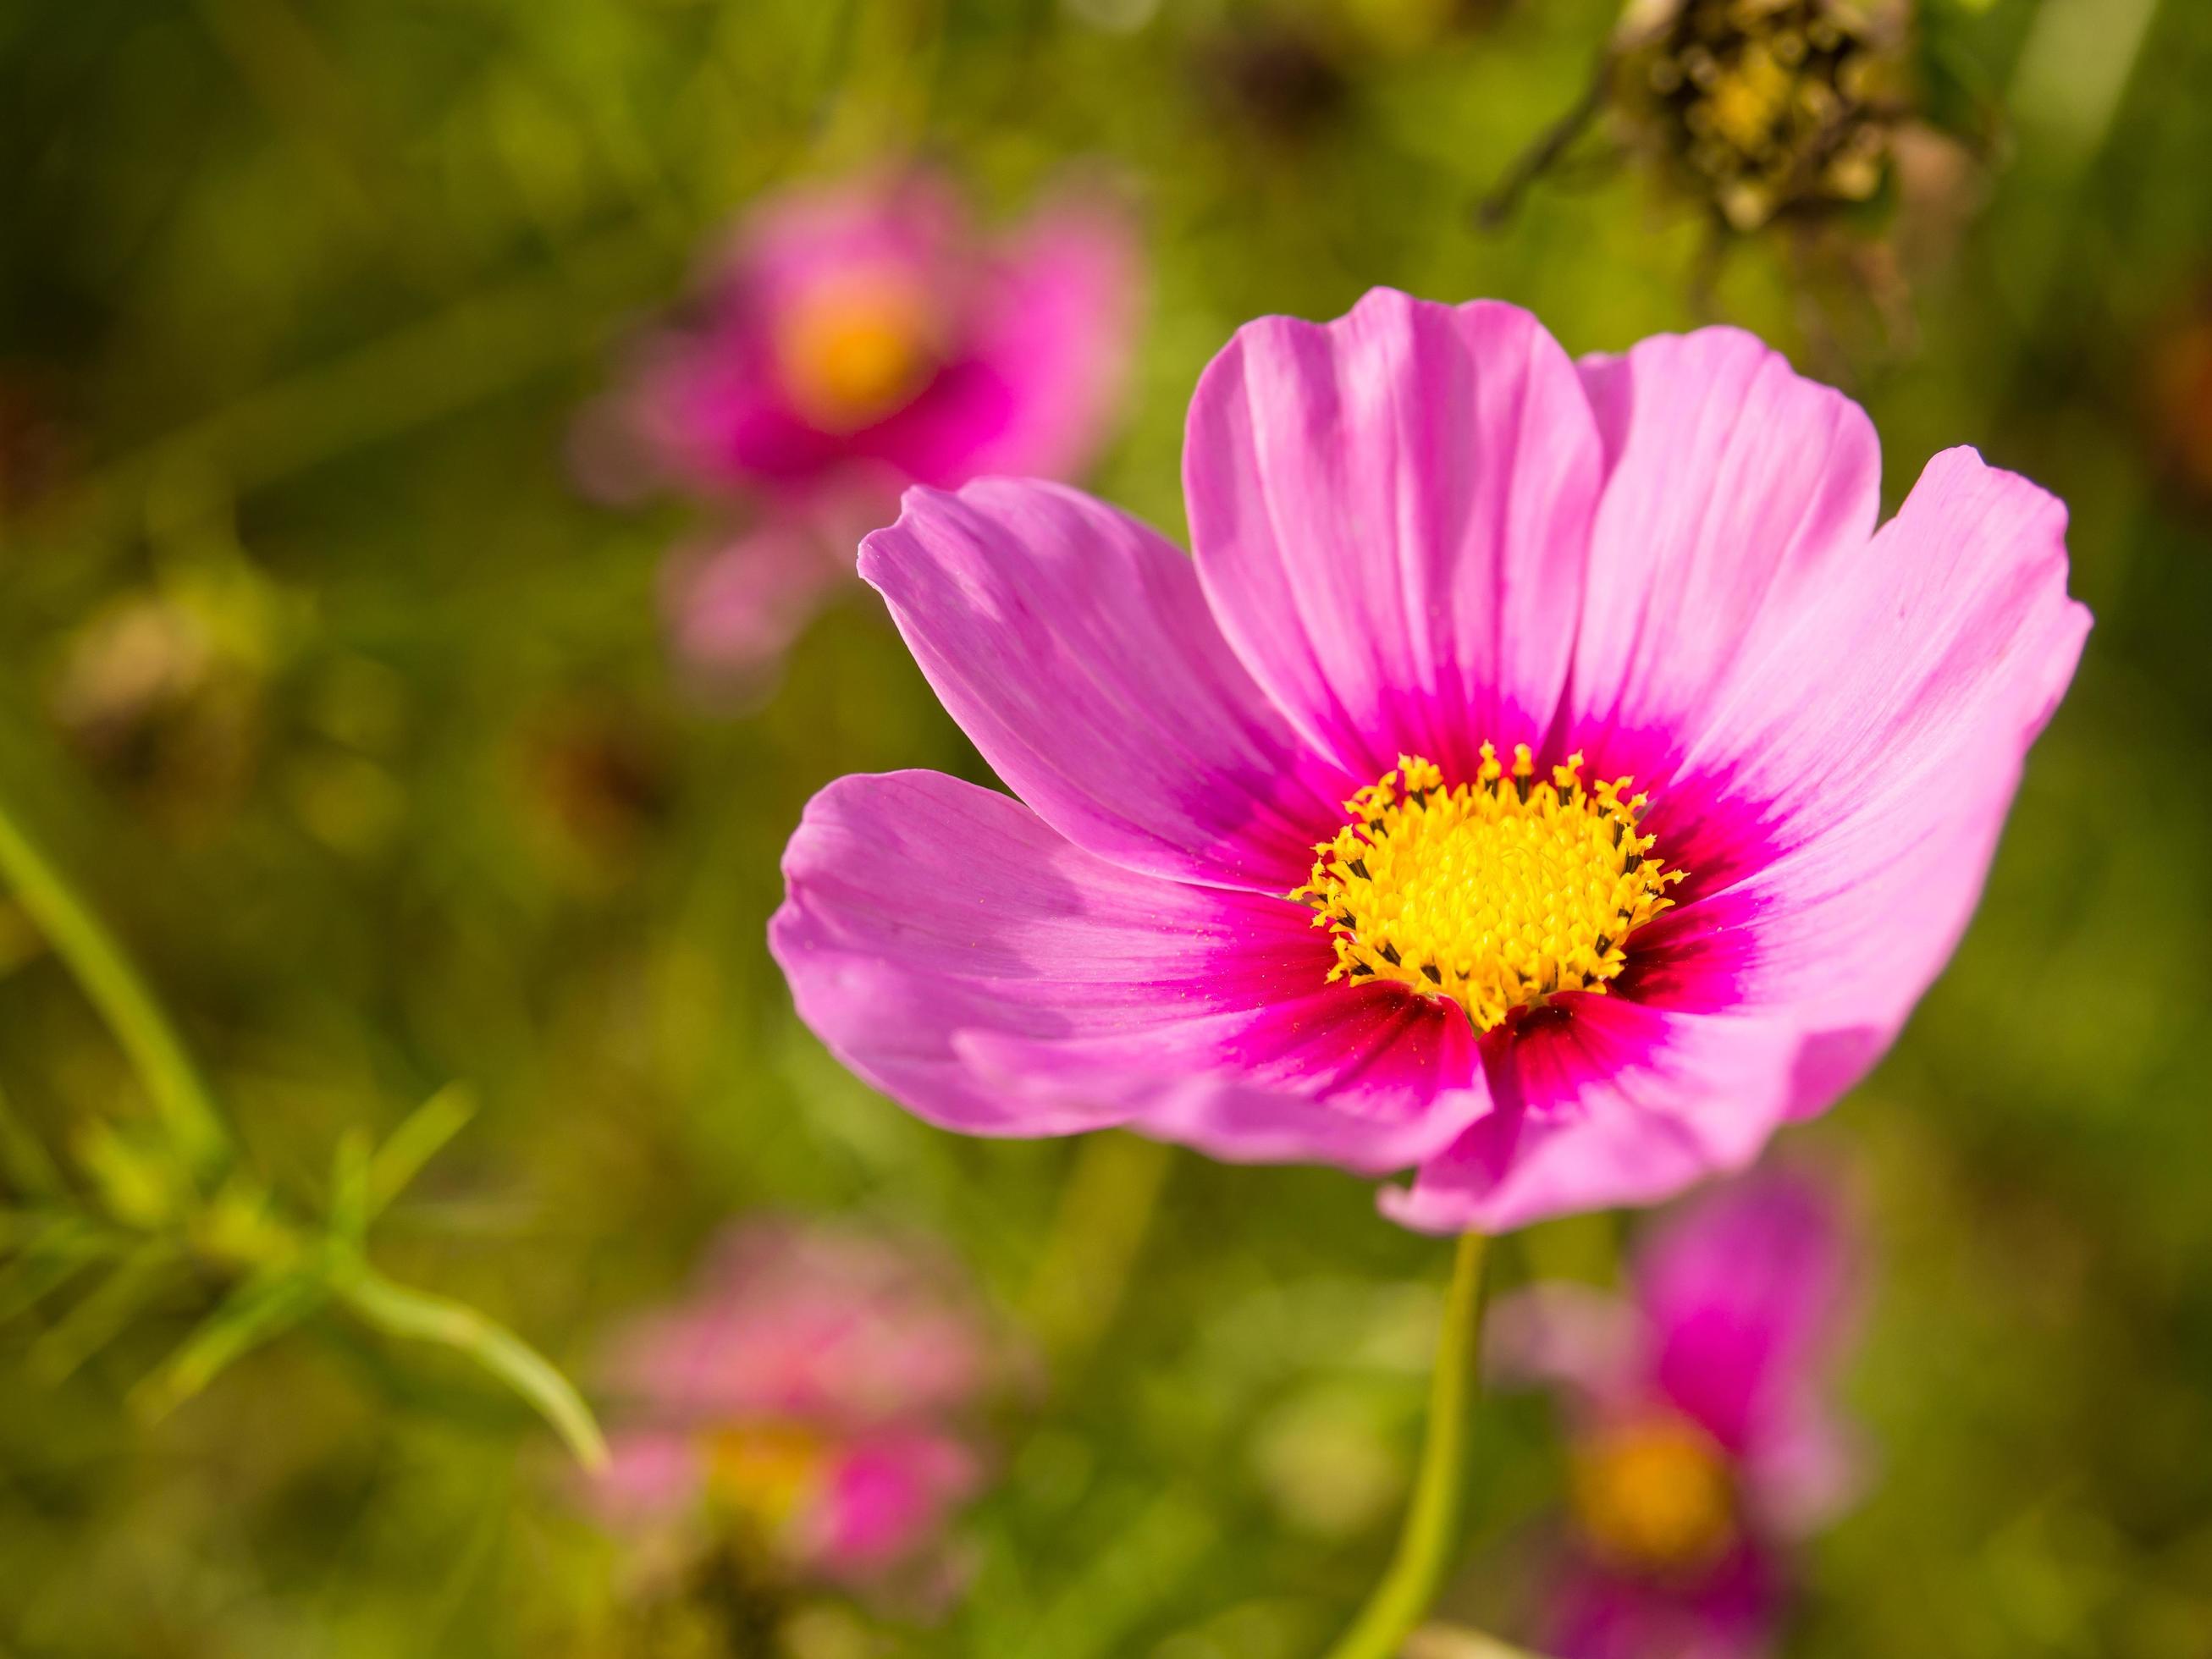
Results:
[114, 985]
[1409, 1587]
[1105, 1210]
[422, 1317]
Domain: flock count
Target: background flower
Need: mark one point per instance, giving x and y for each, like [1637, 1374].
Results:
[853, 338]
[1702, 1442]
[814, 1398]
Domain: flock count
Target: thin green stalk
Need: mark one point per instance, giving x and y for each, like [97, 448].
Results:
[1406, 1591]
[1106, 1209]
[180, 1095]
[418, 1315]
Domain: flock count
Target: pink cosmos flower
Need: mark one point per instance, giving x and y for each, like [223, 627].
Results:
[812, 1396]
[854, 339]
[1702, 1445]
[1651, 783]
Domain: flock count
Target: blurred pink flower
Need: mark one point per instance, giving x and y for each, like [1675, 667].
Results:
[854, 340]
[813, 1396]
[1652, 783]
[1704, 1443]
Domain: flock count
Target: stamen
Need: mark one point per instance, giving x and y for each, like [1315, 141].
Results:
[1495, 898]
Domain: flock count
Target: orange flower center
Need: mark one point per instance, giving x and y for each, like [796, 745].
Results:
[855, 348]
[1655, 1497]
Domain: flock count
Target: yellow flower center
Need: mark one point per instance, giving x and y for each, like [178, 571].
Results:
[1655, 1497]
[853, 349]
[1498, 893]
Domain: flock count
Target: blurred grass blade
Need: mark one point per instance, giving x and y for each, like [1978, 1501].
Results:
[262, 1308]
[399, 1312]
[100, 1317]
[420, 1138]
[59, 1248]
[113, 986]
[349, 1188]
[1121, 1586]
[29, 1168]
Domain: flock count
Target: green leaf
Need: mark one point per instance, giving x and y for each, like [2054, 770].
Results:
[419, 1138]
[349, 1188]
[100, 1316]
[24, 1161]
[257, 1310]
[137, 1182]
[398, 1311]
[57, 1249]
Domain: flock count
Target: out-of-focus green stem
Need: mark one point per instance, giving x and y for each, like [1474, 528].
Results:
[1106, 1209]
[180, 1095]
[426, 1318]
[203, 1139]
[1416, 1572]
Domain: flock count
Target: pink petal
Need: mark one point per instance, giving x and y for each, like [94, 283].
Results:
[648, 1477]
[1878, 742]
[888, 1497]
[1367, 1079]
[1073, 645]
[1602, 1101]
[1806, 1470]
[1733, 1611]
[958, 953]
[1744, 1292]
[1390, 513]
[808, 1325]
[735, 609]
[1732, 484]
[1056, 315]
[1576, 1338]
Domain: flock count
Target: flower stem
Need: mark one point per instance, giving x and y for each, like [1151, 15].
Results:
[180, 1094]
[426, 1318]
[1403, 1598]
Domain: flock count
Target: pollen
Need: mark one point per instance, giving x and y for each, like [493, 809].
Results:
[1498, 893]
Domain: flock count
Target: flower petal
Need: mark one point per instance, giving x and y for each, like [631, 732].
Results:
[885, 1496]
[1390, 513]
[1743, 1293]
[1604, 1101]
[650, 1477]
[1057, 312]
[1732, 483]
[1367, 1079]
[1073, 645]
[1730, 1611]
[734, 609]
[960, 955]
[1878, 742]
[1587, 1343]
